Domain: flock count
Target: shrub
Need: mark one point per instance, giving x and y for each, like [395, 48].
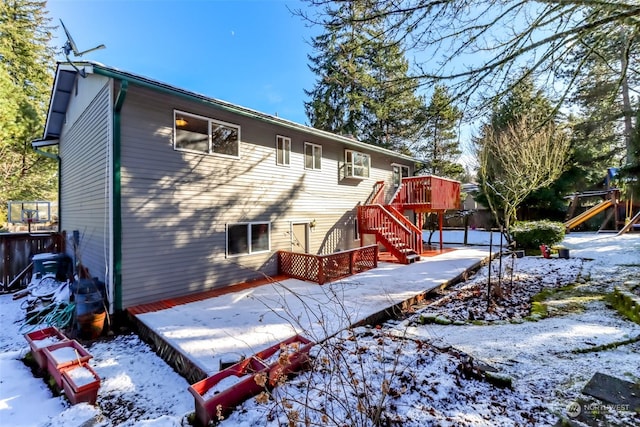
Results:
[532, 234]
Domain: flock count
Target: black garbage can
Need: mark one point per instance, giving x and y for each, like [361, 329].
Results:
[52, 263]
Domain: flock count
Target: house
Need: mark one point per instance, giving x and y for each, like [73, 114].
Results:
[174, 193]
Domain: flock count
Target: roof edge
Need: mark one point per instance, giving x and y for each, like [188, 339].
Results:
[112, 72]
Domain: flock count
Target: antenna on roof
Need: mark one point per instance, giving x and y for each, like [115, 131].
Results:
[70, 46]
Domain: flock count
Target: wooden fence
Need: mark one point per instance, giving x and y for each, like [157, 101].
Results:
[16, 251]
[326, 268]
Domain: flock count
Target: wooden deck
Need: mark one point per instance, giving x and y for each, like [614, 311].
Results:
[200, 296]
[172, 302]
[180, 361]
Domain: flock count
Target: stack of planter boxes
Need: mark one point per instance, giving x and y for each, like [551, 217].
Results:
[38, 340]
[217, 395]
[67, 363]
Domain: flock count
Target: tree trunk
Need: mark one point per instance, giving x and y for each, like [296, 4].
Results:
[626, 102]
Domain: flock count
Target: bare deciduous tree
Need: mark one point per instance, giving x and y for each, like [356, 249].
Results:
[517, 160]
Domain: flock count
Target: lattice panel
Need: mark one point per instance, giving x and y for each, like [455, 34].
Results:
[325, 268]
[365, 259]
[336, 266]
[298, 265]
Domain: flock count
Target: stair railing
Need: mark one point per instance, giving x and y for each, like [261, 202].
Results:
[391, 230]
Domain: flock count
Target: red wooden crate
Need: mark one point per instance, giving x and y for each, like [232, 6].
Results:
[42, 338]
[297, 348]
[80, 392]
[54, 366]
[242, 374]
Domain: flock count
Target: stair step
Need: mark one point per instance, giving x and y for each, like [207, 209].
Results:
[412, 258]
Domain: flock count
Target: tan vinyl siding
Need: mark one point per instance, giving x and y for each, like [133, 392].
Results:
[84, 194]
[175, 204]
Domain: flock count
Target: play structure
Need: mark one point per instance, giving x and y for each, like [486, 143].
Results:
[619, 214]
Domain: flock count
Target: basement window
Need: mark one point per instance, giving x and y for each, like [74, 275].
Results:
[199, 134]
[248, 238]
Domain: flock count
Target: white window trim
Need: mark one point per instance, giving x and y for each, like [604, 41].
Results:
[287, 141]
[210, 120]
[248, 224]
[398, 165]
[311, 144]
[346, 164]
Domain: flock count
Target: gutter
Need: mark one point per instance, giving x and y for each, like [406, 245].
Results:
[117, 195]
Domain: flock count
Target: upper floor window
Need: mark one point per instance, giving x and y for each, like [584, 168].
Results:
[399, 172]
[283, 150]
[312, 156]
[248, 238]
[204, 135]
[357, 164]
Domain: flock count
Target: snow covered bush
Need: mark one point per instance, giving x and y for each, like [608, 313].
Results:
[532, 234]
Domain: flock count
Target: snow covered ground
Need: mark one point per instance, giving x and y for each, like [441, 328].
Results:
[399, 373]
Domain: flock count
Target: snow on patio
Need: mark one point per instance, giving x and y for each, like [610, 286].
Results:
[233, 326]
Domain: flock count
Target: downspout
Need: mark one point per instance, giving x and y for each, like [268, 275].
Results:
[59, 160]
[117, 195]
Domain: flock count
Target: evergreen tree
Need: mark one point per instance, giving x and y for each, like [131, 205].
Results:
[600, 118]
[438, 144]
[26, 65]
[603, 123]
[362, 88]
[630, 173]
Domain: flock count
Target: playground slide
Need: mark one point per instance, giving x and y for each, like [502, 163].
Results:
[584, 216]
[628, 225]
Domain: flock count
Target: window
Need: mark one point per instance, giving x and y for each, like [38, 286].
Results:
[312, 156]
[356, 229]
[399, 172]
[248, 238]
[357, 164]
[204, 135]
[283, 150]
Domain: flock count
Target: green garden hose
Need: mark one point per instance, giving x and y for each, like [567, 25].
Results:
[57, 314]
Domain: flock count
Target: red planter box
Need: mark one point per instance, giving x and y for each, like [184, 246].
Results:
[295, 357]
[42, 338]
[80, 383]
[220, 393]
[62, 355]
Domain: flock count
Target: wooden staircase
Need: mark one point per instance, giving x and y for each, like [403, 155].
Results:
[392, 229]
[403, 241]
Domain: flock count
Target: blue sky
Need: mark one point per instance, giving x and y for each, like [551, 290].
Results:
[248, 52]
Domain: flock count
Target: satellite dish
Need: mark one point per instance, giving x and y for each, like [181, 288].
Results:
[70, 45]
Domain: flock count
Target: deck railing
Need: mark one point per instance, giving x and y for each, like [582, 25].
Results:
[16, 251]
[431, 191]
[326, 268]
